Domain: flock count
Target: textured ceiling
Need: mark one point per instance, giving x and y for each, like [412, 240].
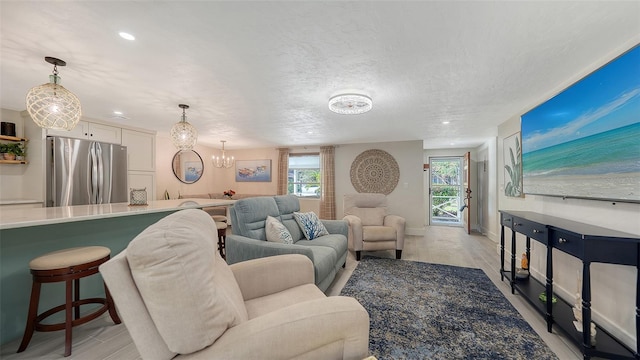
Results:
[259, 74]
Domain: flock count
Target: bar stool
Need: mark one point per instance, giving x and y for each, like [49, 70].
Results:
[66, 265]
[221, 224]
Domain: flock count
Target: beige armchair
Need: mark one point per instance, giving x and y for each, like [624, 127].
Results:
[371, 228]
[177, 296]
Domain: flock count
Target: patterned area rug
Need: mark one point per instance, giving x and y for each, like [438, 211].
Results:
[431, 311]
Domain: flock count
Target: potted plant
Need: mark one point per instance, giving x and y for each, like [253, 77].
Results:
[3, 150]
[13, 151]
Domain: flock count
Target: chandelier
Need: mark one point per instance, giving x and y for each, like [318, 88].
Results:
[183, 134]
[350, 104]
[50, 105]
[224, 161]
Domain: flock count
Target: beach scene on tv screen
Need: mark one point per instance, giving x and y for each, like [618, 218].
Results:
[585, 141]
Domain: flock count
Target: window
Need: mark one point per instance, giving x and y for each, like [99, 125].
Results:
[304, 175]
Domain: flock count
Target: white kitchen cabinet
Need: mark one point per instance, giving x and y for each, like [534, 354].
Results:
[104, 133]
[79, 132]
[141, 149]
[91, 131]
[142, 180]
[141, 154]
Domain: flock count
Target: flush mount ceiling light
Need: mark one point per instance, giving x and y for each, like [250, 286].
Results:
[350, 104]
[183, 134]
[224, 161]
[50, 105]
[126, 36]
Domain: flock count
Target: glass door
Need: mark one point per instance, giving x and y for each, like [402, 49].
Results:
[445, 190]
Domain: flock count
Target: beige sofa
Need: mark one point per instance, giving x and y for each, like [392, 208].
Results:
[177, 296]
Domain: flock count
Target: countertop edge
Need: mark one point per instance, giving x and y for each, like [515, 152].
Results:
[47, 216]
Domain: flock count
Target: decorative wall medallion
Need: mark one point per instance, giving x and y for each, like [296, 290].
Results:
[375, 171]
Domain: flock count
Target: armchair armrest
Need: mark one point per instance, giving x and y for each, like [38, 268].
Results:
[336, 227]
[342, 321]
[355, 232]
[397, 223]
[240, 248]
[269, 275]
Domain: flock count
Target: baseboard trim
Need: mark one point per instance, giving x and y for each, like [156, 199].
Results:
[490, 234]
[415, 231]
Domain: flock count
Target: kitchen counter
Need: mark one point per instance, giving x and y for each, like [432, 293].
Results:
[28, 233]
[16, 218]
[19, 202]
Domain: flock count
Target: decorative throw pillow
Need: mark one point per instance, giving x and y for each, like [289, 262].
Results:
[310, 225]
[277, 232]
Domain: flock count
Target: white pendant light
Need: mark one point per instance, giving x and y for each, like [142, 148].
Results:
[50, 105]
[224, 161]
[183, 134]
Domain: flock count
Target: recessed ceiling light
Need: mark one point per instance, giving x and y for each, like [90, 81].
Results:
[309, 132]
[445, 122]
[126, 36]
[117, 112]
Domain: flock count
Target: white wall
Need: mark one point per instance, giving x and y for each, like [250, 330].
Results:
[402, 201]
[488, 169]
[406, 199]
[24, 182]
[613, 287]
[11, 176]
[214, 180]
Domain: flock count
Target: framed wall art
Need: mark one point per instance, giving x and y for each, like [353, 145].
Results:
[253, 170]
[512, 154]
[192, 171]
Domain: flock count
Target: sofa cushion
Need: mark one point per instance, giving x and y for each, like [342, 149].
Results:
[337, 242]
[277, 232]
[324, 261]
[178, 252]
[310, 225]
[287, 204]
[378, 233]
[248, 216]
[369, 216]
[292, 226]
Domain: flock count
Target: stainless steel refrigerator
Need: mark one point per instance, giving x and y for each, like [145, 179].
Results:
[81, 172]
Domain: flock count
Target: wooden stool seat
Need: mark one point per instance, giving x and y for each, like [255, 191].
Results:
[68, 265]
[69, 257]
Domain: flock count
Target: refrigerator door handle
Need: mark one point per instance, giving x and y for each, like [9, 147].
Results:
[93, 174]
[100, 180]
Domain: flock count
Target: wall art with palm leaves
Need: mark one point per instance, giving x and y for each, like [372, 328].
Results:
[512, 150]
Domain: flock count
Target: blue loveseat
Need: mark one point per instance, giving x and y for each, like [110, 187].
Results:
[248, 241]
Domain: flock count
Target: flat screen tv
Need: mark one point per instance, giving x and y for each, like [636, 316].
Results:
[585, 141]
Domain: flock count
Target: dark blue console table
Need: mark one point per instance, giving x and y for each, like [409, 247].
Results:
[589, 244]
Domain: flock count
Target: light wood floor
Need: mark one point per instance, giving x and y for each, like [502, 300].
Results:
[100, 339]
